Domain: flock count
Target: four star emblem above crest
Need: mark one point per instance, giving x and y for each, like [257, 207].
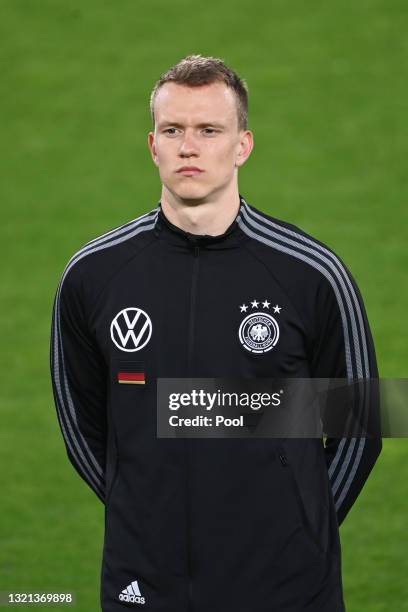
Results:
[265, 304]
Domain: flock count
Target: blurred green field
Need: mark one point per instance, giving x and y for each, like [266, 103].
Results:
[328, 102]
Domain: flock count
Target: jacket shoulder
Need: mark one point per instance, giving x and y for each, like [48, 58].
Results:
[291, 245]
[107, 251]
[263, 223]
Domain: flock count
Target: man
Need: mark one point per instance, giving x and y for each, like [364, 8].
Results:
[220, 525]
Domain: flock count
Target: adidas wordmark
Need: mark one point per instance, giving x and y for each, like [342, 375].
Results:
[132, 594]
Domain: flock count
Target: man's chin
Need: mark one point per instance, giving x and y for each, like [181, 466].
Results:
[192, 197]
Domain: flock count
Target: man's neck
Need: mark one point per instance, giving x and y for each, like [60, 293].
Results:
[211, 217]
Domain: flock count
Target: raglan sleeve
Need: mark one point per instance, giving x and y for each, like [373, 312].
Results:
[78, 376]
[344, 349]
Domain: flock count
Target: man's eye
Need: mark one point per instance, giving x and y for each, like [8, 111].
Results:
[170, 131]
[209, 131]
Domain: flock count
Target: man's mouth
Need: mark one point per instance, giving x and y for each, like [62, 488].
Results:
[189, 170]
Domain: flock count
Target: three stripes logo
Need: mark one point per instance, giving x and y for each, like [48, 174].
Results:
[132, 594]
[131, 329]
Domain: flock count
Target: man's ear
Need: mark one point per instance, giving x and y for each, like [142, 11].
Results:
[246, 144]
[152, 146]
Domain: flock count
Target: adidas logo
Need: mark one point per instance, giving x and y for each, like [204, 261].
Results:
[132, 594]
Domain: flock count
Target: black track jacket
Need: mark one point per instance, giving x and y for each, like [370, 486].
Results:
[208, 525]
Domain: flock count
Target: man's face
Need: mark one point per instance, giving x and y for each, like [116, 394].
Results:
[196, 144]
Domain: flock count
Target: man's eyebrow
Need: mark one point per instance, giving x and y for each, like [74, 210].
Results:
[217, 124]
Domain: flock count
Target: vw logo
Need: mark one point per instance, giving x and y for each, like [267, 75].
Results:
[131, 329]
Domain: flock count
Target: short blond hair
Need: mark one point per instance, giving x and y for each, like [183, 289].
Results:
[196, 70]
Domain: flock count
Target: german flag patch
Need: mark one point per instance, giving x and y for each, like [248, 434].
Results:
[131, 373]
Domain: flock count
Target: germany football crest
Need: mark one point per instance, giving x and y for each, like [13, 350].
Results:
[259, 330]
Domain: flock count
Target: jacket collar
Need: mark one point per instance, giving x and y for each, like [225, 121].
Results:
[169, 232]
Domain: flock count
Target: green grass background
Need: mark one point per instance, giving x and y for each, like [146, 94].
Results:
[328, 106]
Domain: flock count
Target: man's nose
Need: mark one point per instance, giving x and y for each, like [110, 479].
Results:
[188, 144]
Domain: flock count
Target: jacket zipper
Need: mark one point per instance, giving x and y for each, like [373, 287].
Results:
[193, 296]
[306, 524]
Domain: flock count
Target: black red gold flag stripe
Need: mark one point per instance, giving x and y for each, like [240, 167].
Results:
[131, 373]
[132, 378]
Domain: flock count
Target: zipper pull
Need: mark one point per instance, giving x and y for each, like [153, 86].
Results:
[282, 457]
[196, 251]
